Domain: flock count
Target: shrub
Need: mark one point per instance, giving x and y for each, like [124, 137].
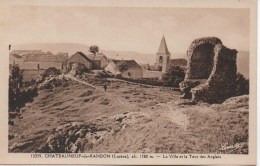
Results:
[103, 74]
[18, 93]
[78, 69]
[51, 71]
[15, 77]
[242, 85]
[173, 77]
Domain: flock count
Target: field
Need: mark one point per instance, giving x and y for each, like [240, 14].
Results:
[128, 118]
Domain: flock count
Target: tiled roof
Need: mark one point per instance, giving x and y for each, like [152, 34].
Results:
[46, 65]
[129, 63]
[178, 62]
[26, 52]
[83, 55]
[15, 56]
[98, 56]
[28, 65]
[47, 58]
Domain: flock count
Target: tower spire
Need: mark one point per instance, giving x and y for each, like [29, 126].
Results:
[163, 49]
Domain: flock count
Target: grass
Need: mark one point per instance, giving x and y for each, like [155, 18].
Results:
[143, 126]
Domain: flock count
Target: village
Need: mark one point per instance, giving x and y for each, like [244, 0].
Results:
[87, 102]
[33, 63]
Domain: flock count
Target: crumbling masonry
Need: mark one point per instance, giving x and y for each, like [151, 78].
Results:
[211, 71]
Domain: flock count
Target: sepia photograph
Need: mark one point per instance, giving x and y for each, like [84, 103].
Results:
[128, 79]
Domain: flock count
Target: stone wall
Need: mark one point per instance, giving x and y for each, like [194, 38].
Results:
[211, 71]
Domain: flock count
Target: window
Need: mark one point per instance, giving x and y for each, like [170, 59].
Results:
[168, 59]
[160, 59]
[129, 74]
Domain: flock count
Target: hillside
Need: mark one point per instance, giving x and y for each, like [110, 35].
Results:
[71, 48]
[127, 118]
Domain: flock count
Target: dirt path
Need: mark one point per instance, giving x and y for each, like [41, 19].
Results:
[83, 82]
[100, 89]
[174, 115]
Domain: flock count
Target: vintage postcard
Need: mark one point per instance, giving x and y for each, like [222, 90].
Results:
[128, 82]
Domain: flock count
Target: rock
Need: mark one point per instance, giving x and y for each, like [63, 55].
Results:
[10, 136]
[242, 100]
[13, 115]
[19, 145]
[50, 138]
[81, 133]
[77, 124]
[10, 122]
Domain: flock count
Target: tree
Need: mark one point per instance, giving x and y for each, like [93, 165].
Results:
[242, 85]
[15, 82]
[174, 76]
[15, 77]
[122, 66]
[93, 49]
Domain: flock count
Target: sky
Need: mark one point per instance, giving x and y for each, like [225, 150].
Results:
[126, 29]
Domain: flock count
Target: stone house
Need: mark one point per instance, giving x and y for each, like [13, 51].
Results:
[30, 71]
[152, 75]
[46, 61]
[131, 70]
[34, 62]
[99, 61]
[79, 58]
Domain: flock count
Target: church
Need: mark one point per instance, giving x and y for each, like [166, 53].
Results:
[163, 58]
[163, 62]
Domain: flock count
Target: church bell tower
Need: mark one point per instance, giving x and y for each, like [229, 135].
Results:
[163, 56]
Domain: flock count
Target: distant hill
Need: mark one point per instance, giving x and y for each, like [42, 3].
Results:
[71, 48]
[243, 63]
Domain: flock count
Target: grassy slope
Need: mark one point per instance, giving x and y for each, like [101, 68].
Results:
[135, 119]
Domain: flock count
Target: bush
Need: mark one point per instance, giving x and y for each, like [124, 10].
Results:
[15, 77]
[18, 94]
[242, 85]
[78, 69]
[103, 74]
[51, 71]
[175, 76]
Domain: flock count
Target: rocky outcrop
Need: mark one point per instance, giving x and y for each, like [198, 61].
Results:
[210, 60]
[72, 138]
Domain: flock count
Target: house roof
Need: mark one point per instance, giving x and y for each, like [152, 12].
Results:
[178, 62]
[26, 52]
[47, 58]
[81, 54]
[16, 56]
[128, 63]
[163, 49]
[98, 56]
[28, 65]
[46, 65]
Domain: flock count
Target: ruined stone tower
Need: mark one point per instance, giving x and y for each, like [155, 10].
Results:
[211, 71]
[163, 56]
